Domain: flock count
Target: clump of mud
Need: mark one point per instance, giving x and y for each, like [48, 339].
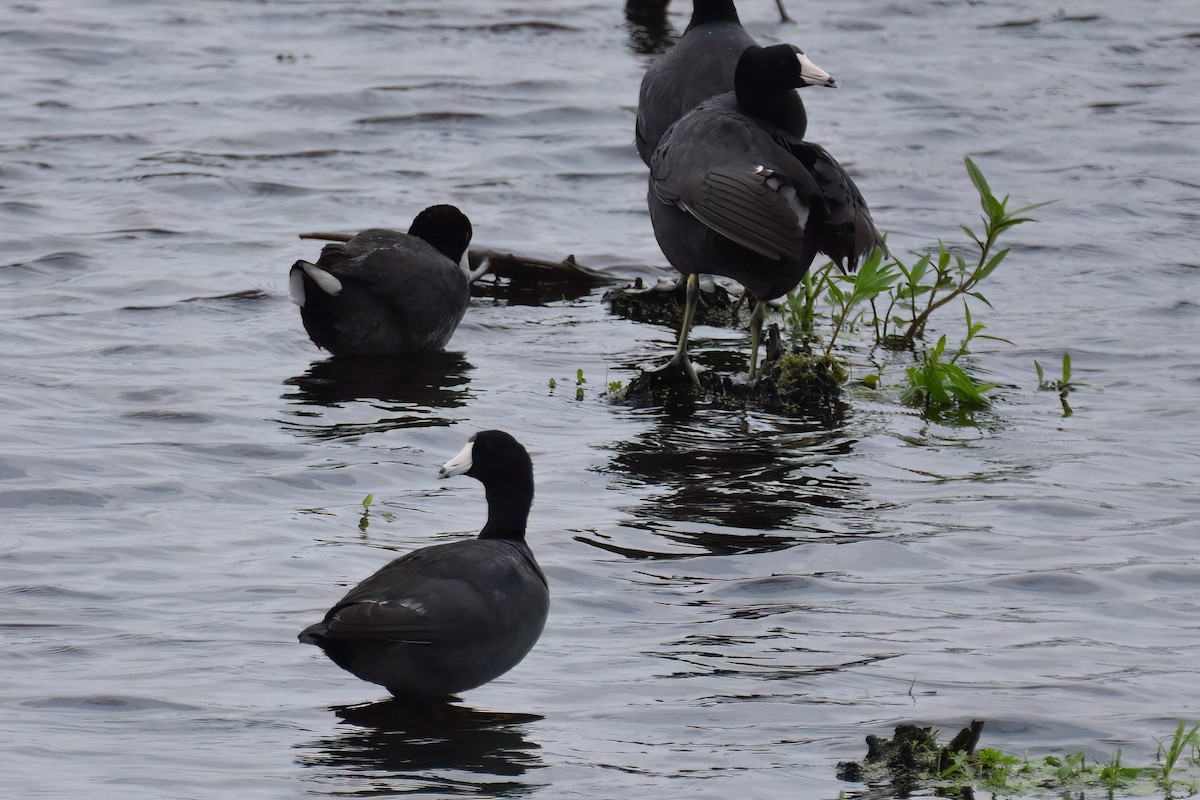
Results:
[790, 382]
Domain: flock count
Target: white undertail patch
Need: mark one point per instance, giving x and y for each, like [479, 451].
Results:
[326, 281]
[296, 286]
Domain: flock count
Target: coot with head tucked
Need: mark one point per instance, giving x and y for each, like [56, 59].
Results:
[450, 617]
[385, 292]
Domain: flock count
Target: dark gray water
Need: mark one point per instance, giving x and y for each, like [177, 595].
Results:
[739, 598]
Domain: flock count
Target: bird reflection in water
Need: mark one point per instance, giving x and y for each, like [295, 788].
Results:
[725, 483]
[400, 744]
[649, 29]
[409, 388]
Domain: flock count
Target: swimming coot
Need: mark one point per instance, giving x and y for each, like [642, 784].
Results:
[700, 65]
[450, 617]
[734, 193]
[385, 292]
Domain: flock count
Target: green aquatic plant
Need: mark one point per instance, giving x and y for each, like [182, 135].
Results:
[872, 279]
[365, 519]
[1063, 385]
[942, 386]
[897, 300]
[801, 302]
[1114, 775]
[914, 293]
[1180, 743]
[921, 763]
[1068, 768]
[953, 275]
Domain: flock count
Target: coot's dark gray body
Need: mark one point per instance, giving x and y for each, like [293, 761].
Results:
[440, 620]
[450, 617]
[385, 292]
[699, 66]
[743, 198]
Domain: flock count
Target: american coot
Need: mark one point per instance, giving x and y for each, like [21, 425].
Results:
[385, 292]
[450, 617]
[732, 192]
[700, 65]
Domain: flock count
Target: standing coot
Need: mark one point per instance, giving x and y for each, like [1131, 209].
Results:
[734, 193]
[450, 617]
[385, 292]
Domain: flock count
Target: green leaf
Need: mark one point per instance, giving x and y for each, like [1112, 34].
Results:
[992, 263]
[944, 254]
[918, 271]
[979, 296]
[1066, 368]
[981, 184]
[994, 209]
[1031, 207]
[836, 294]
[936, 354]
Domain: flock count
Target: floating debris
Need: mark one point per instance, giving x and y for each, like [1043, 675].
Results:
[509, 265]
[524, 268]
[910, 758]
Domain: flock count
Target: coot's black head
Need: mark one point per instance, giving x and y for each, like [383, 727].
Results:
[502, 465]
[490, 456]
[706, 11]
[444, 227]
[764, 72]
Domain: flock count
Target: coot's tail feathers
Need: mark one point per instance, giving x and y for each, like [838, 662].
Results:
[325, 281]
[313, 634]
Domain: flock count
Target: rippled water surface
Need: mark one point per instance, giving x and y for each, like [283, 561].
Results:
[738, 598]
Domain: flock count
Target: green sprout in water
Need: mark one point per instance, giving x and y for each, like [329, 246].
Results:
[872, 279]
[1063, 386]
[941, 387]
[365, 519]
[1116, 776]
[1181, 742]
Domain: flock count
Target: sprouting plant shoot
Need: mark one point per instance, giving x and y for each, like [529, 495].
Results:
[1171, 752]
[365, 519]
[1063, 385]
